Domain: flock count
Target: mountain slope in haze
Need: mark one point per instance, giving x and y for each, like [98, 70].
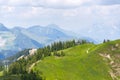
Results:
[23, 41]
[47, 31]
[49, 34]
[12, 41]
[6, 42]
[3, 28]
[83, 62]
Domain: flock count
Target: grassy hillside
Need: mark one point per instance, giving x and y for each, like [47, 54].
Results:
[83, 62]
[1, 73]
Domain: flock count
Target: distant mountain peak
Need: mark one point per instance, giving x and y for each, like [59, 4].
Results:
[18, 28]
[35, 27]
[52, 26]
[3, 28]
[1, 24]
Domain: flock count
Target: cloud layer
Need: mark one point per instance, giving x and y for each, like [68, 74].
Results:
[83, 15]
[57, 3]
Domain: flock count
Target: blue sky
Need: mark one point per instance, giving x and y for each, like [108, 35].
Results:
[98, 19]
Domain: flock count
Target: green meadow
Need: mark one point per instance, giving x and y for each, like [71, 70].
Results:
[81, 62]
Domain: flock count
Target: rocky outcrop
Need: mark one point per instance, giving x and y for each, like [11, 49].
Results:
[32, 52]
[114, 61]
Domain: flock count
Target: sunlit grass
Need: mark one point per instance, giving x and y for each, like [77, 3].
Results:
[1, 73]
[78, 64]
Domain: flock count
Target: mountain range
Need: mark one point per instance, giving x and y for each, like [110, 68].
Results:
[17, 38]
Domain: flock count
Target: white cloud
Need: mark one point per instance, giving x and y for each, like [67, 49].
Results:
[61, 4]
[20, 2]
[70, 13]
[58, 4]
[2, 42]
[3, 2]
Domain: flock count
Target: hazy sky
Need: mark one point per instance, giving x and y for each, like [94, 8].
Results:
[85, 17]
